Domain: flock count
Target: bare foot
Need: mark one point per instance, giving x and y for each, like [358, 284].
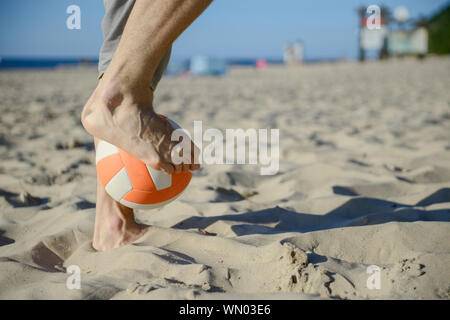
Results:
[125, 117]
[114, 223]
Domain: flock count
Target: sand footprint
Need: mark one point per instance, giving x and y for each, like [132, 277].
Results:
[51, 252]
[138, 288]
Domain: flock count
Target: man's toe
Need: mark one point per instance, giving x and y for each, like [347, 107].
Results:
[167, 167]
[178, 168]
[194, 166]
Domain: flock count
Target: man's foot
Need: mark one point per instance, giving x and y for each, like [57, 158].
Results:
[114, 223]
[126, 119]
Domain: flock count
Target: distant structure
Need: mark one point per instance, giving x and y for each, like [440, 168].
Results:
[293, 53]
[203, 66]
[197, 65]
[372, 37]
[396, 35]
[407, 41]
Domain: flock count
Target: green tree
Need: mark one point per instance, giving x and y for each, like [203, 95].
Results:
[439, 32]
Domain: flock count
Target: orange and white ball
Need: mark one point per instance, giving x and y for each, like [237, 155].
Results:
[133, 183]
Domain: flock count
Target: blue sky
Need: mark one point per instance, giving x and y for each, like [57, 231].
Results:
[228, 28]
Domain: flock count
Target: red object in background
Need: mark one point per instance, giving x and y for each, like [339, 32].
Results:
[364, 21]
[261, 64]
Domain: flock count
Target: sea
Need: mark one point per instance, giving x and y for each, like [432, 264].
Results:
[43, 63]
[175, 64]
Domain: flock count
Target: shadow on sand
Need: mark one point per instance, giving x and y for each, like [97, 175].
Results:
[5, 240]
[355, 212]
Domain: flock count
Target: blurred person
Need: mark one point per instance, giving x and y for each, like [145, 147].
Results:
[138, 35]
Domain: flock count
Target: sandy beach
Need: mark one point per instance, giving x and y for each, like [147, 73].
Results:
[364, 180]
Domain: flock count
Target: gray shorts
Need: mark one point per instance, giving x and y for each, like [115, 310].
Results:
[116, 15]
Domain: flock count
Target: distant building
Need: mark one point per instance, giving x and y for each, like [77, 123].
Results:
[413, 42]
[392, 36]
[373, 30]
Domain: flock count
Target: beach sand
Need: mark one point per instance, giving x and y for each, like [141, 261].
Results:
[364, 181]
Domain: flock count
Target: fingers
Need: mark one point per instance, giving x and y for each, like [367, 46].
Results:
[194, 167]
[185, 167]
[170, 168]
[183, 160]
[184, 163]
[178, 168]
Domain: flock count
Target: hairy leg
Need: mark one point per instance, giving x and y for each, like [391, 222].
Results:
[120, 109]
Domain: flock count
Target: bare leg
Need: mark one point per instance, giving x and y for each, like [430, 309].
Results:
[120, 109]
[114, 223]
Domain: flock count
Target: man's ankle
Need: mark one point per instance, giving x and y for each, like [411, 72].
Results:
[117, 91]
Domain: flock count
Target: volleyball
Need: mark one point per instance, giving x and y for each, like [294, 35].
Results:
[135, 184]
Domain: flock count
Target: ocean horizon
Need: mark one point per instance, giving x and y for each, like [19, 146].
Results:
[46, 63]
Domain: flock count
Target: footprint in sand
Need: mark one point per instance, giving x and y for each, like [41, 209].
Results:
[138, 288]
[51, 252]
